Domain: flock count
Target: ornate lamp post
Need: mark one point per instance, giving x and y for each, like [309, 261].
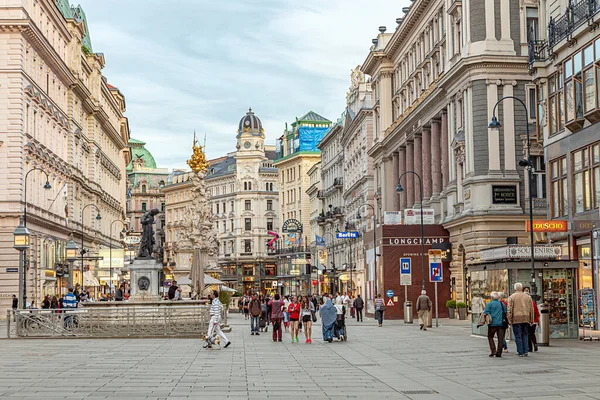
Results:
[47, 186]
[71, 257]
[528, 165]
[399, 188]
[110, 254]
[333, 283]
[21, 244]
[358, 216]
[83, 251]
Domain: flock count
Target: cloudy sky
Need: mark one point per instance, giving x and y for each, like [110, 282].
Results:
[199, 64]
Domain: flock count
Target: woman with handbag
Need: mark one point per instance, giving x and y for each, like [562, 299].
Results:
[498, 324]
[379, 308]
[308, 309]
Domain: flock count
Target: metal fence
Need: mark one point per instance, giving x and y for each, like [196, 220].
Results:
[174, 321]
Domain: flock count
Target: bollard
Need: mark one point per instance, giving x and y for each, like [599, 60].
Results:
[544, 336]
[408, 312]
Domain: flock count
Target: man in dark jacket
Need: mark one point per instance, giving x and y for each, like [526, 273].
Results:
[255, 311]
[359, 304]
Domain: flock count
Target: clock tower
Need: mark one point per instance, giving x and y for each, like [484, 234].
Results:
[250, 135]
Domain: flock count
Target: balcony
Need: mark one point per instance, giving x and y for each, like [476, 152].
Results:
[338, 182]
[321, 220]
[538, 51]
[575, 15]
[321, 194]
[338, 212]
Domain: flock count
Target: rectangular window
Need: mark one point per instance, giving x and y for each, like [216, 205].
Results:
[224, 208]
[559, 191]
[269, 224]
[531, 102]
[539, 187]
[533, 31]
[586, 178]
[247, 246]
[248, 224]
[162, 207]
[143, 206]
[231, 224]
[270, 205]
[589, 89]
[217, 208]
[247, 205]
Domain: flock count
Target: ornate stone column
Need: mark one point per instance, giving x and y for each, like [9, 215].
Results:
[426, 151]
[445, 156]
[395, 166]
[410, 178]
[436, 165]
[418, 160]
[401, 169]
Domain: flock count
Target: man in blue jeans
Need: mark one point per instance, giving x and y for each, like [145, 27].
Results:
[255, 311]
[520, 316]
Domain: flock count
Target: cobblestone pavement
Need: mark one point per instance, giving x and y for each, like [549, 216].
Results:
[396, 361]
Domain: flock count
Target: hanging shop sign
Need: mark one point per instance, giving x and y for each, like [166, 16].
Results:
[291, 226]
[132, 239]
[446, 248]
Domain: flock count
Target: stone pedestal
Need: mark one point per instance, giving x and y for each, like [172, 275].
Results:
[143, 275]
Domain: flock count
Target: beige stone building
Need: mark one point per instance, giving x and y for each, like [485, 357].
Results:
[297, 152]
[62, 117]
[436, 78]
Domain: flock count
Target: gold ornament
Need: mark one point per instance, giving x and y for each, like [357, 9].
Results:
[198, 161]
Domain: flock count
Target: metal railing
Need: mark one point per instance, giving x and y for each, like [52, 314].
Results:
[141, 321]
[537, 51]
[575, 15]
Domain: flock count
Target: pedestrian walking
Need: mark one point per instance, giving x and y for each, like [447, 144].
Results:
[46, 303]
[520, 316]
[379, 309]
[276, 316]
[328, 319]
[119, 293]
[294, 311]
[423, 309]
[214, 326]
[15, 306]
[255, 311]
[502, 297]
[497, 325]
[347, 302]
[246, 304]
[359, 304]
[69, 302]
[532, 339]
[308, 308]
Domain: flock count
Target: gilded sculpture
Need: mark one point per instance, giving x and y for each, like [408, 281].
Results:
[198, 161]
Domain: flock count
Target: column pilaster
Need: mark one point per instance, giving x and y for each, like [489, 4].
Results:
[401, 169]
[395, 173]
[426, 151]
[445, 151]
[418, 160]
[410, 178]
[436, 164]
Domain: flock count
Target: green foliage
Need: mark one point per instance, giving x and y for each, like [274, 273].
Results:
[225, 297]
[451, 304]
[85, 50]
[461, 304]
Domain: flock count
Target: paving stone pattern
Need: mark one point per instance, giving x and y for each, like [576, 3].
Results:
[396, 361]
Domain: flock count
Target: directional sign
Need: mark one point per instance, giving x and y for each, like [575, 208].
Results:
[347, 235]
[390, 303]
[389, 293]
[436, 272]
[405, 272]
[132, 239]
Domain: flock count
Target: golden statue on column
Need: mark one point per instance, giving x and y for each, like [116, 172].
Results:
[198, 160]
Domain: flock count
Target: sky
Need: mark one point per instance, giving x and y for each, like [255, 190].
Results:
[186, 65]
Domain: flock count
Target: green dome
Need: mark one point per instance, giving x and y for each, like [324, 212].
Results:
[139, 151]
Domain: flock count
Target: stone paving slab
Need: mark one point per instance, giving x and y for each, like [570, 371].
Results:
[396, 361]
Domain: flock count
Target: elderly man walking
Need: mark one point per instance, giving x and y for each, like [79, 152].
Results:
[520, 317]
[423, 308]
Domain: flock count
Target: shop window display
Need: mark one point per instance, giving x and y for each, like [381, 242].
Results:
[559, 294]
[482, 284]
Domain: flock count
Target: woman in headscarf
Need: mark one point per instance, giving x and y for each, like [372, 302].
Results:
[328, 318]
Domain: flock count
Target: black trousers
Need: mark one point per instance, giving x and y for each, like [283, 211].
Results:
[532, 339]
[359, 316]
[495, 331]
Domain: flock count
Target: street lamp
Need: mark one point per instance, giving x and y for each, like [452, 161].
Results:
[399, 189]
[110, 253]
[71, 248]
[333, 283]
[21, 244]
[82, 251]
[527, 164]
[47, 186]
[358, 216]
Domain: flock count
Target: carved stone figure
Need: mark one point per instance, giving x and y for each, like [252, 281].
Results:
[147, 245]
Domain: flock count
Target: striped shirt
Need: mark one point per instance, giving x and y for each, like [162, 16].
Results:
[378, 303]
[70, 301]
[215, 308]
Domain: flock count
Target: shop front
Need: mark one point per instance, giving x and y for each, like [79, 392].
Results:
[556, 282]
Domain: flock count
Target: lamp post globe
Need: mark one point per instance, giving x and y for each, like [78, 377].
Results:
[21, 237]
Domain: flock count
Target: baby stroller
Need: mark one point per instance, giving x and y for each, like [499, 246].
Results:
[339, 329]
[263, 322]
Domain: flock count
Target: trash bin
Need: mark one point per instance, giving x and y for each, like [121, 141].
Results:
[430, 318]
[544, 335]
[408, 312]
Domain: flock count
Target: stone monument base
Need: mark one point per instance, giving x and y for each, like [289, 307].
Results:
[143, 275]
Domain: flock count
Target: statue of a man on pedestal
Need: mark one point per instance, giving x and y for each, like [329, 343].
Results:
[147, 244]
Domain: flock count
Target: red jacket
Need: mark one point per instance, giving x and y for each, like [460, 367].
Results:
[294, 310]
[536, 311]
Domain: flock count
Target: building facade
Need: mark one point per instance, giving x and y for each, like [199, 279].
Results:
[243, 186]
[145, 191]
[63, 124]
[436, 80]
[297, 152]
[564, 59]
[317, 249]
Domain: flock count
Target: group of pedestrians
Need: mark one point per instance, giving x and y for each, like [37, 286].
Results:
[520, 312]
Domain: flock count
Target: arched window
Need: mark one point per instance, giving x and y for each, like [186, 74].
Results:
[143, 188]
[245, 185]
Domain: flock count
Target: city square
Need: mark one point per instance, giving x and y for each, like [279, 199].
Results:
[396, 361]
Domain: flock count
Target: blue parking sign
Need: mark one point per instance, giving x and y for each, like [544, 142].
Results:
[405, 265]
[436, 273]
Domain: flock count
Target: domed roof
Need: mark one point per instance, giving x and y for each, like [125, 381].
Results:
[250, 123]
[140, 155]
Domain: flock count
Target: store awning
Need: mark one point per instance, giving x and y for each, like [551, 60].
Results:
[90, 280]
[208, 280]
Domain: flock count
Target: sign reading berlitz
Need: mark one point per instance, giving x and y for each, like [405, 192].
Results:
[504, 194]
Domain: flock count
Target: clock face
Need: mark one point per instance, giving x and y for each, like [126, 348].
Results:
[247, 145]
